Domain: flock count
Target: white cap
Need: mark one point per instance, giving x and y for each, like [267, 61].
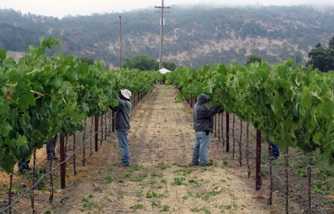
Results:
[126, 93]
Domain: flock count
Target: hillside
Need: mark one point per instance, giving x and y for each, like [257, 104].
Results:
[194, 36]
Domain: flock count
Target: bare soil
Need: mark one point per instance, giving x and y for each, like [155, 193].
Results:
[160, 179]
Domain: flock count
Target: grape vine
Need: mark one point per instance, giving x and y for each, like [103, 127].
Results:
[293, 106]
[43, 95]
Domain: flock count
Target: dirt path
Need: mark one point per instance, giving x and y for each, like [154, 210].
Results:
[160, 180]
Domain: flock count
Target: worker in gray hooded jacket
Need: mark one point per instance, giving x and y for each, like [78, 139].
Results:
[203, 125]
[123, 111]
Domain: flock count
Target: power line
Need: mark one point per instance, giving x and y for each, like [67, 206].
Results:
[162, 9]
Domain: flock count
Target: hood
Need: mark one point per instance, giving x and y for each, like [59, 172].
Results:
[202, 99]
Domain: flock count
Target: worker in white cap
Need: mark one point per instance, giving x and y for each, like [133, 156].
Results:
[123, 111]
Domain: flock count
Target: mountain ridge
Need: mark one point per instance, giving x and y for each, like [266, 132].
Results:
[194, 36]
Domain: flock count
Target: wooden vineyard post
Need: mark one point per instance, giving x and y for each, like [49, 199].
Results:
[66, 143]
[83, 143]
[51, 188]
[191, 102]
[287, 180]
[74, 155]
[215, 126]
[100, 133]
[96, 133]
[137, 99]
[240, 145]
[104, 118]
[137, 96]
[91, 136]
[247, 152]
[270, 159]
[227, 132]
[113, 121]
[10, 193]
[33, 182]
[258, 181]
[62, 162]
[109, 122]
[106, 123]
[218, 126]
[309, 189]
[101, 129]
[233, 136]
[222, 129]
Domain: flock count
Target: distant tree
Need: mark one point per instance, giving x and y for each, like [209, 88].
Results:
[331, 43]
[3, 55]
[253, 58]
[142, 62]
[169, 65]
[87, 60]
[322, 58]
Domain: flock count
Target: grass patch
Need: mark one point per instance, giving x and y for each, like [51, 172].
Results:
[137, 207]
[206, 196]
[163, 166]
[165, 208]
[179, 181]
[202, 210]
[183, 171]
[195, 183]
[227, 208]
[109, 179]
[87, 202]
[152, 195]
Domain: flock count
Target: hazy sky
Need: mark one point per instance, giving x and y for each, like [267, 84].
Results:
[74, 7]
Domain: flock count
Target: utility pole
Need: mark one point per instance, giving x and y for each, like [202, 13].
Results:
[120, 42]
[162, 9]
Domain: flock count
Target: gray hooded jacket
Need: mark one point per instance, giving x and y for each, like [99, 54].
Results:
[203, 115]
[123, 111]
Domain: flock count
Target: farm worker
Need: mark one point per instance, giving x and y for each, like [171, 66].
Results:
[123, 111]
[51, 154]
[203, 125]
[24, 165]
[275, 151]
[51, 148]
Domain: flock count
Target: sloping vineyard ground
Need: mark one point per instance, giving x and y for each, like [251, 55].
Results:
[160, 179]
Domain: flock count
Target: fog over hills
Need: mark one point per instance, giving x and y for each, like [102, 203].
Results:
[194, 35]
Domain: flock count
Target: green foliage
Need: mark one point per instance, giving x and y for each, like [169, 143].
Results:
[3, 55]
[42, 96]
[142, 62]
[169, 65]
[137, 207]
[88, 203]
[292, 106]
[323, 58]
[179, 181]
[253, 59]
